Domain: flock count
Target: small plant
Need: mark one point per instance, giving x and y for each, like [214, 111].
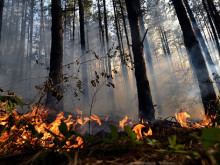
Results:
[173, 145]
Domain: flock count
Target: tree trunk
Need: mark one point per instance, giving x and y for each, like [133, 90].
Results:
[149, 60]
[56, 54]
[44, 30]
[146, 108]
[1, 13]
[212, 27]
[83, 49]
[203, 44]
[214, 14]
[126, 31]
[196, 57]
[21, 51]
[117, 32]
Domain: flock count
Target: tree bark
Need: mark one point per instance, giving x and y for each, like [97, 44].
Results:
[203, 44]
[56, 54]
[212, 27]
[196, 57]
[126, 31]
[1, 13]
[21, 51]
[146, 108]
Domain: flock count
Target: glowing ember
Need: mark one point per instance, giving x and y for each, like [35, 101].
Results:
[106, 119]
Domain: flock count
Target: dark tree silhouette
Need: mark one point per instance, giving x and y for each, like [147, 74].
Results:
[1, 11]
[146, 108]
[196, 57]
[56, 54]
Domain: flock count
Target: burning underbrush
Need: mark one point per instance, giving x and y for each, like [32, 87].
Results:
[33, 132]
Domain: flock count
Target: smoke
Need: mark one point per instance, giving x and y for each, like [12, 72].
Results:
[176, 85]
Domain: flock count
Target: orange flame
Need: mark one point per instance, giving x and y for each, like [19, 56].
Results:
[122, 123]
[96, 118]
[138, 130]
[181, 118]
[207, 121]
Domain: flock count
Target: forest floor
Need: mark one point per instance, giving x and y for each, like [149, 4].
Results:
[157, 149]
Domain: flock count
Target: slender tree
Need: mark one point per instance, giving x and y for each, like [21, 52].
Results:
[56, 54]
[203, 44]
[196, 57]
[21, 51]
[1, 12]
[146, 108]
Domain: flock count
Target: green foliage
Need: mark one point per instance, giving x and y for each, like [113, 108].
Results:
[152, 142]
[210, 137]
[11, 100]
[130, 133]
[173, 145]
[114, 132]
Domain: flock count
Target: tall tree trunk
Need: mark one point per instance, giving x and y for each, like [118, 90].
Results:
[196, 57]
[203, 44]
[21, 51]
[83, 49]
[146, 108]
[43, 29]
[74, 17]
[31, 40]
[212, 27]
[1, 13]
[214, 14]
[117, 32]
[126, 31]
[56, 54]
[149, 59]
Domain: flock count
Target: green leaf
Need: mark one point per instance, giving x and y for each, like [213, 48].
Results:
[210, 137]
[114, 132]
[152, 142]
[19, 101]
[130, 133]
[172, 140]
[63, 128]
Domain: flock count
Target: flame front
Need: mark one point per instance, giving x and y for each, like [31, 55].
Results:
[206, 122]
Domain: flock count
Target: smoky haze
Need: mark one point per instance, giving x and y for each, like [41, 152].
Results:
[176, 84]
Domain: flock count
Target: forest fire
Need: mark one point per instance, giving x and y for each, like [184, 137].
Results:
[182, 119]
[32, 130]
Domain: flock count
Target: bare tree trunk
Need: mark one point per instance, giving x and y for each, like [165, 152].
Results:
[74, 17]
[117, 31]
[1, 13]
[212, 27]
[196, 57]
[21, 51]
[44, 30]
[126, 31]
[56, 55]
[146, 108]
[203, 45]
